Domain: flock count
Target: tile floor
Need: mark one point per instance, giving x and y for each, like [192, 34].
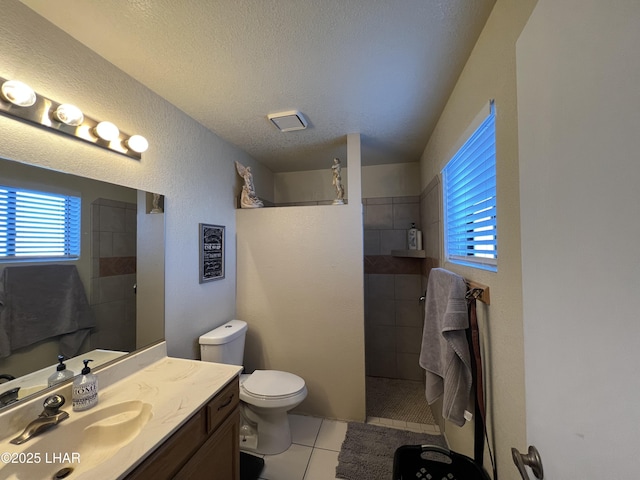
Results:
[316, 443]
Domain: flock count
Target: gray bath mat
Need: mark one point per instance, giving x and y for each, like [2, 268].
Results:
[367, 450]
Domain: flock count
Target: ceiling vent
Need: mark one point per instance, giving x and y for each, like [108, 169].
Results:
[288, 121]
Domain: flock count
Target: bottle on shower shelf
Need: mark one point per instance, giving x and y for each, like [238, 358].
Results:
[412, 237]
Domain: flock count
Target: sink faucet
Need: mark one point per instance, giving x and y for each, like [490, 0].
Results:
[48, 418]
[9, 397]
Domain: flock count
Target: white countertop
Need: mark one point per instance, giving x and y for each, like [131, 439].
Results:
[40, 377]
[176, 389]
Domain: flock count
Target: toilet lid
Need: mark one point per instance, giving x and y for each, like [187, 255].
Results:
[273, 383]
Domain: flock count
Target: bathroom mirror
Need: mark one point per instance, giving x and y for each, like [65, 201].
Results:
[120, 267]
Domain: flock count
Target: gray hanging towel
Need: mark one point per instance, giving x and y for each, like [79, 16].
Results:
[445, 350]
[41, 302]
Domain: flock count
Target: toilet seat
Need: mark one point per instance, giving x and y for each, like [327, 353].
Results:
[266, 397]
[272, 384]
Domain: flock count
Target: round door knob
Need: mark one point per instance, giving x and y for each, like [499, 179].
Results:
[531, 459]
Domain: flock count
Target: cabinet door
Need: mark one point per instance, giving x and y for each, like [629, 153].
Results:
[219, 457]
[172, 455]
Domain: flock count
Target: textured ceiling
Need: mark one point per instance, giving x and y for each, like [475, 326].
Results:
[383, 68]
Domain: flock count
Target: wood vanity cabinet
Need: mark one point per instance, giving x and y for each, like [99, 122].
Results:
[207, 446]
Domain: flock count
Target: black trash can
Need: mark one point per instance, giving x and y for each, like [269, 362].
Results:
[432, 462]
[250, 466]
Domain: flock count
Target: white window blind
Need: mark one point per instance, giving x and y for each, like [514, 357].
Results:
[469, 189]
[38, 225]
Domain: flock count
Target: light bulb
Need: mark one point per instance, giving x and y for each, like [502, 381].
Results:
[69, 114]
[106, 131]
[18, 93]
[137, 143]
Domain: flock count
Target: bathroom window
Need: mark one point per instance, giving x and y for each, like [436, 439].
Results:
[469, 190]
[38, 225]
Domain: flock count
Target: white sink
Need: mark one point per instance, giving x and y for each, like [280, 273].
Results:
[80, 443]
[117, 425]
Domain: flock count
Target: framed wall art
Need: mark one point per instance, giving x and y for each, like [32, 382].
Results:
[211, 252]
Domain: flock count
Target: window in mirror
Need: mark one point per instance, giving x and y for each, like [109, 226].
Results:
[38, 225]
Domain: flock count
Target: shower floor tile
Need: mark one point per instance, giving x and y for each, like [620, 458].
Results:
[398, 400]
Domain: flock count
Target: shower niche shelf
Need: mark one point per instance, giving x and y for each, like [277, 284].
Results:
[408, 253]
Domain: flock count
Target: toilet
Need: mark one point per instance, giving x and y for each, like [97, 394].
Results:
[266, 396]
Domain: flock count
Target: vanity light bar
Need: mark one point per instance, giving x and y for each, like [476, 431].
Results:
[18, 93]
[21, 101]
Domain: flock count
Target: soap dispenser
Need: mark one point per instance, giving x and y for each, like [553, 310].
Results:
[61, 374]
[84, 394]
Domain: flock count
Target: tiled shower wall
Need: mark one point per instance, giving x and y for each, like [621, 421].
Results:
[430, 201]
[113, 299]
[393, 285]
[394, 315]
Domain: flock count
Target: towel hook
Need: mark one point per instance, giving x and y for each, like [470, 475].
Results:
[474, 293]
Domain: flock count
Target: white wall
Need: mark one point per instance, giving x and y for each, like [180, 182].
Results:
[300, 289]
[393, 180]
[150, 266]
[579, 119]
[490, 73]
[192, 167]
[307, 186]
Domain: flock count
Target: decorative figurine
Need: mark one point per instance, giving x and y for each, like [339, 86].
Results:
[337, 182]
[248, 199]
[156, 203]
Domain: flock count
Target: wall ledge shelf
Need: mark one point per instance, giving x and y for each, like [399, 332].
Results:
[409, 253]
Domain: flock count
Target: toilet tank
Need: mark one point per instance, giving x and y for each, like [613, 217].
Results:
[224, 344]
